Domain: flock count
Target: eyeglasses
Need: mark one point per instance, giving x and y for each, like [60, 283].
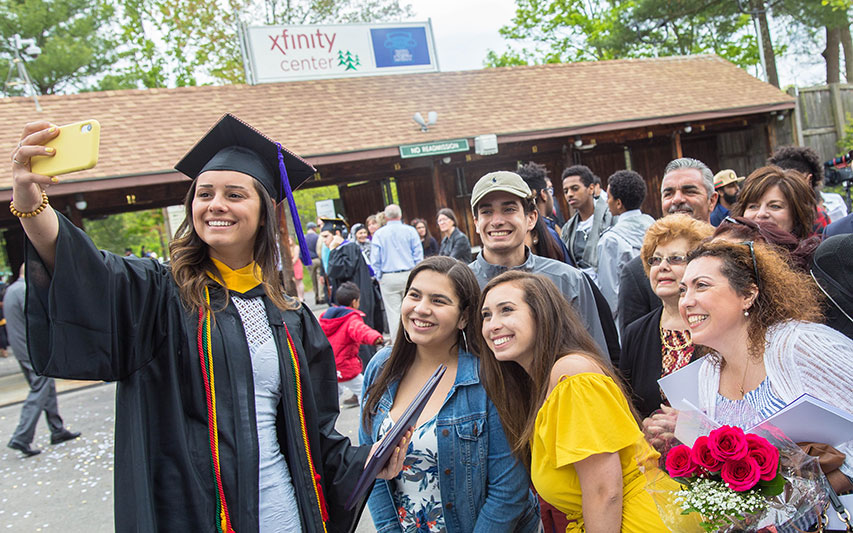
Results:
[751, 245]
[672, 260]
[550, 190]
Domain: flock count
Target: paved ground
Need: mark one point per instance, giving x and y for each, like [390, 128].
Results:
[69, 487]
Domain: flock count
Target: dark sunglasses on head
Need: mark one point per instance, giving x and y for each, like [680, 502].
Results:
[672, 260]
[751, 245]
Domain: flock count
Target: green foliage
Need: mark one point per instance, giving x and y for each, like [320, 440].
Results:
[185, 42]
[306, 201]
[577, 30]
[75, 38]
[175, 43]
[130, 230]
[334, 11]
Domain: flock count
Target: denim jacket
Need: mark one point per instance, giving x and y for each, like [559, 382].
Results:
[484, 488]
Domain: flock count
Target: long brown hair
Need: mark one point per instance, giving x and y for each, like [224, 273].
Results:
[403, 352]
[191, 259]
[783, 293]
[559, 332]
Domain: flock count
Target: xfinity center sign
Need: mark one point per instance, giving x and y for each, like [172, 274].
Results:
[291, 53]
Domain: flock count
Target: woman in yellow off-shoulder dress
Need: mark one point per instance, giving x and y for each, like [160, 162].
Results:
[564, 411]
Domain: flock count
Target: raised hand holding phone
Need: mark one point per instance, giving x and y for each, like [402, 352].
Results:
[75, 148]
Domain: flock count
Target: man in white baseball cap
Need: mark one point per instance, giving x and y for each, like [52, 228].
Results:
[504, 211]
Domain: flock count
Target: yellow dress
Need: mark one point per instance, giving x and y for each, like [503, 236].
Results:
[587, 414]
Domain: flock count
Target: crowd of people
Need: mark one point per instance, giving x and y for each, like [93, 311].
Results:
[548, 416]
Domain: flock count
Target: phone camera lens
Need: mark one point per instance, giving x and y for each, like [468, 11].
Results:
[87, 128]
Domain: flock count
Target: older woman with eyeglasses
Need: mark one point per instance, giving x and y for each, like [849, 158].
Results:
[659, 343]
[757, 316]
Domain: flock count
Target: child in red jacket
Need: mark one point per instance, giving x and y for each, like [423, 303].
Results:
[344, 325]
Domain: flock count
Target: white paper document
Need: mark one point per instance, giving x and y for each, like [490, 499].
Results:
[808, 419]
[681, 387]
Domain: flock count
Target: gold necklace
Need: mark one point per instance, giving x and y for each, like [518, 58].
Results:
[675, 347]
[745, 369]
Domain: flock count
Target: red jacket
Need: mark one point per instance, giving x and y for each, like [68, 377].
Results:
[346, 330]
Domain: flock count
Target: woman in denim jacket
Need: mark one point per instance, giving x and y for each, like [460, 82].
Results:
[460, 474]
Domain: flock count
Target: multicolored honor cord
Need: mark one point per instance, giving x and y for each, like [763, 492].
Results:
[318, 489]
[205, 354]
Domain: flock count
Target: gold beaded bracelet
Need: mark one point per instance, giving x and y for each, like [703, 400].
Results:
[33, 213]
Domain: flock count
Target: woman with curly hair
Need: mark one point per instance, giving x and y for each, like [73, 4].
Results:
[758, 315]
[781, 196]
[659, 343]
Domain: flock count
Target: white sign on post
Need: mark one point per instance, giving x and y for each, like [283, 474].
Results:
[325, 208]
[292, 53]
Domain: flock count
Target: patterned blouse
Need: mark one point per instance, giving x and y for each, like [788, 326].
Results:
[676, 349]
[756, 406]
[415, 491]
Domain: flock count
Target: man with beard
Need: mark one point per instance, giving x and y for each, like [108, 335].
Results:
[727, 185]
[687, 187]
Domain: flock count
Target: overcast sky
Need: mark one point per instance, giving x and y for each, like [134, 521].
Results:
[466, 29]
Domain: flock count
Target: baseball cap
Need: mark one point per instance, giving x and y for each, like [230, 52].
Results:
[726, 177]
[503, 181]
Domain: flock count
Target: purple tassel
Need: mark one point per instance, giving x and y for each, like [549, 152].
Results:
[294, 214]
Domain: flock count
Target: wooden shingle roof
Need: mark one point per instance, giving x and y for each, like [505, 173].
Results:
[147, 131]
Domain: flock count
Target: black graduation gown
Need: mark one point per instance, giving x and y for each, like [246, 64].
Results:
[346, 263]
[110, 318]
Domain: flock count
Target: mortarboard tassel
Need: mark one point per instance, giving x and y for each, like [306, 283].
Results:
[294, 214]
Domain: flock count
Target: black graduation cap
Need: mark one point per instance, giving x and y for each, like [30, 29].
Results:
[333, 224]
[231, 144]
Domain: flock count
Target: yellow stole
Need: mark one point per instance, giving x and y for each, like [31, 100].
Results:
[241, 280]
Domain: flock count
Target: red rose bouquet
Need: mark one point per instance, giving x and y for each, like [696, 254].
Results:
[739, 481]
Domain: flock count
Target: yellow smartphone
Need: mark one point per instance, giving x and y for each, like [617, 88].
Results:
[76, 149]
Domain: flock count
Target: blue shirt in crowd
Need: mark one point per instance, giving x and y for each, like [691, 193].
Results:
[396, 247]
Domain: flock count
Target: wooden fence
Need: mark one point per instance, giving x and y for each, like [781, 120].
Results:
[820, 116]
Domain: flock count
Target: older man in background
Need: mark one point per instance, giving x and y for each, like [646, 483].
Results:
[687, 187]
[395, 250]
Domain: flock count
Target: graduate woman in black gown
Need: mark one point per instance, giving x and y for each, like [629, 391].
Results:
[227, 396]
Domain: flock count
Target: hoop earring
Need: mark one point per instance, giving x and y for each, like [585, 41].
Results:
[406, 335]
[465, 340]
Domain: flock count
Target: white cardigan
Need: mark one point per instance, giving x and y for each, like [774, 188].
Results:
[799, 357]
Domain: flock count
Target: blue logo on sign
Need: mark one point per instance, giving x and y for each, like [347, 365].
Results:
[397, 47]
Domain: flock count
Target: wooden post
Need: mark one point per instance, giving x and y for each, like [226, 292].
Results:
[770, 134]
[797, 123]
[676, 145]
[286, 257]
[75, 216]
[837, 109]
[440, 193]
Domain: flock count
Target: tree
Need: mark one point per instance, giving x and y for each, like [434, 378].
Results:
[176, 43]
[135, 230]
[185, 42]
[74, 37]
[831, 16]
[578, 30]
